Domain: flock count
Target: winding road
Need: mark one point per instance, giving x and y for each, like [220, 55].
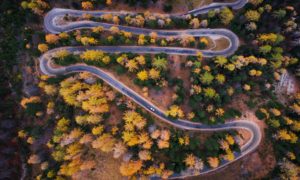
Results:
[47, 67]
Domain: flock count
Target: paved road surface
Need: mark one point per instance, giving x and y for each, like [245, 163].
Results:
[47, 68]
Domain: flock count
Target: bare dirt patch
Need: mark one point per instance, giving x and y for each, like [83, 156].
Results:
[221, 43]
[107, 168]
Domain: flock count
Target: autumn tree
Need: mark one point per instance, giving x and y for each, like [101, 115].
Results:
[160, 63]
[252, 15]
[52, 38]
[43, 48]
[226, 15]
[105, 143]
[175, 111]
[142, 75]
[207, 78]
[130, 168]
[213, 162]
[87, 5]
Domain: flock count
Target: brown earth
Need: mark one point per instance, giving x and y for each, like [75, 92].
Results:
[256, 165]
[107, 168]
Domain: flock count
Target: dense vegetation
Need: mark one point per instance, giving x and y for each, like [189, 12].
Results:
[11, 20]
[78, 110]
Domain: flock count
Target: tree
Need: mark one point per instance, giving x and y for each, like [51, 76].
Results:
[43, 48]
[140, 59]
[86, 139]
[130, 168]
[229, 139]
[153, 36]
[116, 20]
[206, 78]
[97, 29]
[175, 111]
[34, 159]
[114, 30]
[73, 150]
[132, 65]
[288, 170]
[195, 23]
[61, 54]
[92, 55]
[265, 49]
[88, 41]
[87, 5]
[50, 90]
[145, 155]
[163, 144]
[252, 15]
[135, 119]
[229, 156]
[32, 99]
[256, 2]
[267, 38]
[119, 149]
[279, 14]
[220, 60]
[52, 38]
[210, 92]
[160, 63]
[220, 78]
[190, 160]
[154, 74]
[141, 40]
[108, 2]
[224, 145]
[247, 87]
[251, 26]
[142, 75]
[105, 143]
[165, 135]
[220, 112]
[226, 15]
[213, 162]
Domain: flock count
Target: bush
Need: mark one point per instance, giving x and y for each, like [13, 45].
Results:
[260, 115]
[168, 8]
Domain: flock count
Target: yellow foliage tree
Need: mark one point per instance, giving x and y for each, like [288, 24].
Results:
[175, 111]
[105, 143]
[213, 162]
[154, 74]
[87, 5]
[43, 48]
[52, 38]
[190, 160]
[142, 75]
[130, 168]
[132, 65]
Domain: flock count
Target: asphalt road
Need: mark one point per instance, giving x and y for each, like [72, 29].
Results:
[51, 25]
[47, 68]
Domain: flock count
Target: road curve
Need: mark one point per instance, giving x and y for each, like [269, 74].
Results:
[52, 26]
[47, 68]
[238, 4]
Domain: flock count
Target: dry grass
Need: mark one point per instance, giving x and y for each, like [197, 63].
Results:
[107, 168]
